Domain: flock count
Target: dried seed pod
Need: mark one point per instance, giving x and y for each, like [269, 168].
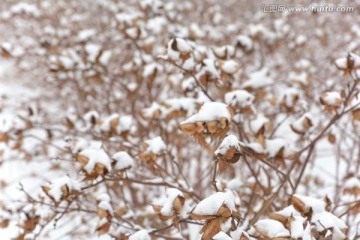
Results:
[356, 114]
[178, 204]
[82, 159]
[212, 126]
[189, 128]
[224, 211]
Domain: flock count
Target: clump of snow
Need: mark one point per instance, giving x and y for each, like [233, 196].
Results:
[244, 42]
[140, 235]
[240, 98]
[152, 112]
[258, 79]
[271, 228]
[150, 69]
[56, 187]
[176, 104]
[224, 51]
[211, 204]
[301, 78]
[189, 64]
[331, 98]
[133, 32]
[288, 211]
[92, 50]
[155, 146]
[353, 60]
[297, 226]
[105, 205]
[107, 122]
[86, 34]
[26, 8]
[221, 236]
[95, 156]
[290, 96]
[9, 121]
[90, 117]
[66, 62]
[122, 160]
[210, 111]
[256, 147]
[105, 57]
[258, 123]
[326, 220]
[228, 142]
[196, 31]
[172, 194]
[353, 182]
[316, 205]
[302, 124]
[341, 63]
[273, 146]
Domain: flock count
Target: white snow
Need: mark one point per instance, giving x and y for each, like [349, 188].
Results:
[182, 45]
[316, 204]
[331, 98]
[106, 124]
[155, 145]
[210, 111]
[273, 146]
[152, 111]
[26, 8]
[86, 34]
[56, 185]
[221, 236]
[123, 160]
[105, 205]
[157, 24]
[271, 228]
[258, 79]
[96, 156]
[196, 30]
[299, 126]
[258, 123]
[288, 211]
[9, 121]
[105, 57]
[296, 226]
[150, 69]
[89, 116]
[341, 63]
[301, 39]
[172, 194]
[140, 235]
[211, 204]
[92, 50]
[176, 104]
[353, 182]
[133, 32]
[256, 147]
[354, 60]
[224, 51]
[210, 66]
[66, 62]
[301, 78]
[327, 220]
[227, 142]
[245, 42]
[289, 96]
[241, 98]
[230, 66]
[189, 64]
